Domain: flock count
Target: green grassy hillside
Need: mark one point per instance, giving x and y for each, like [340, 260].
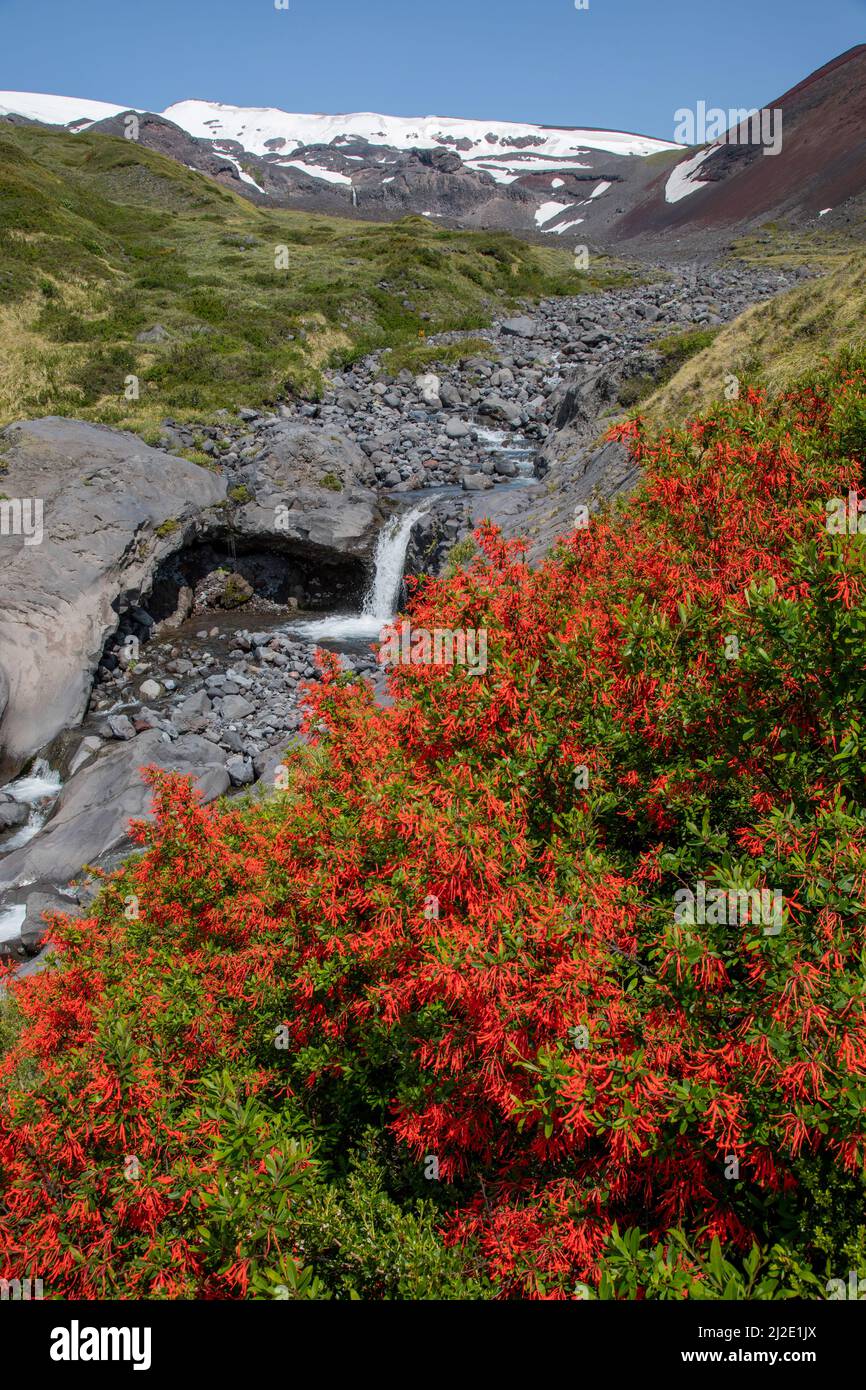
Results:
[773, 343]
[101, 240]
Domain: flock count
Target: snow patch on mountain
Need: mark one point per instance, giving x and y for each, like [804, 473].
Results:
[682, 181]
[548, 211]
[242, 173]
[328, 175]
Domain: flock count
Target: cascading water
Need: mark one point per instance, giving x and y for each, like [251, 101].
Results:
[380, 601]
[37, 791]
[11, 922]
[516, 448]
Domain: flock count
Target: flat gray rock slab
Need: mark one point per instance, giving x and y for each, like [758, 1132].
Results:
[97, 804]
[112, 509]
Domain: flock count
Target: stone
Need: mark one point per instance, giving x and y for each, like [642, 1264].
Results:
[12, 814]
[520, 327]
[34, 928]
[191, 714]
[96, 804]
[457, 429]
[498, 409]
[157, 334]
[236, 707]
[121, 726]
[241, 772]
[57, 612]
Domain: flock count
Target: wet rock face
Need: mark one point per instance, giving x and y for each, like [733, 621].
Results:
[12, 815]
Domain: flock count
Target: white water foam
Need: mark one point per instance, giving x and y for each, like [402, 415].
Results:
[517, 448]
[11, 921]
[38, 791]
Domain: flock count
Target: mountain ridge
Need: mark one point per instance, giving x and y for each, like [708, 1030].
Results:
[523, 177]
[594, 186]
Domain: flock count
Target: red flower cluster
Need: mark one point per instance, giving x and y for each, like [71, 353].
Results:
[464, 945]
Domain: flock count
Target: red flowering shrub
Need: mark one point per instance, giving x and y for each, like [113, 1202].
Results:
[459, 930]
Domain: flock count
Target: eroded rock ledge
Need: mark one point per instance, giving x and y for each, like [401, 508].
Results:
[115, 511]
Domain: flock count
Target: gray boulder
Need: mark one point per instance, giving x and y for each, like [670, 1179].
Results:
[520, 327]
[34, 927]
[113, 509]
[235, 707]
[12, 814]
[96, 805]
[321, 499]
[191, 710]
[457, 429]
[157, 334]
[495, 408]
[241, 772]
[121, 726]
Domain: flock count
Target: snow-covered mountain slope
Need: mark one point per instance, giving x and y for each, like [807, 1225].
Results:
[51, 110]
[527, 178]
[266, 130]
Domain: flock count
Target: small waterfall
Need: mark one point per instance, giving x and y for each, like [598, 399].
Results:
[380, 601]
[515, 447]
[37, 791]
[382, 596]
[11, 922]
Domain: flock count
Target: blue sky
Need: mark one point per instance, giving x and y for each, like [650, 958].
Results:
[626, 64]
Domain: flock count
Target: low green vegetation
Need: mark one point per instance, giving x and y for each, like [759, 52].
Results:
[460, 555]
[784, 245]
[772, 343]
[422, 356]
[674, 350]
[122, 272]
